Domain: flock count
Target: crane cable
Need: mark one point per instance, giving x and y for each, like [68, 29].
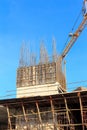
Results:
[76, 20]
[72, 28]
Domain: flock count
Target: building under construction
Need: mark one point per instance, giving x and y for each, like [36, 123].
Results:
[65, 111]
[42, 102]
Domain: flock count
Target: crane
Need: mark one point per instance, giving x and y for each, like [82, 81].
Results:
[77, 32]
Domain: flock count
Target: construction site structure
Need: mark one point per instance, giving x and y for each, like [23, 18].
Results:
[44, 78]
[42, 102]
[65, 111]
[39, 80]
[46, 75]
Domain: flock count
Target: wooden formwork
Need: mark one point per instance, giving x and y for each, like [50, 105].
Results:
[56, 112]
[40, 74]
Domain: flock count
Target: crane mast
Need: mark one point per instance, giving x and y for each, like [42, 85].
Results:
[77, 33]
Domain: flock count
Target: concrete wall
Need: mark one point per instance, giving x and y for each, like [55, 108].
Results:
[38, 90]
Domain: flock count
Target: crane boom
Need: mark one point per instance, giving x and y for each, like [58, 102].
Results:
[76, 34]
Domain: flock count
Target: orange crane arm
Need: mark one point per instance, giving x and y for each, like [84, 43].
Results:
[77, 33]
[75, 36]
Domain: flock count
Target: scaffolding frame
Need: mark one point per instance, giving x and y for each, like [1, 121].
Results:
[65, 111]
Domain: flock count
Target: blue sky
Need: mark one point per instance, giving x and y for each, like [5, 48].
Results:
[35, 20]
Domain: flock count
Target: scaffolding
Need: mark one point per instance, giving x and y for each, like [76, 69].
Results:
[66, 111]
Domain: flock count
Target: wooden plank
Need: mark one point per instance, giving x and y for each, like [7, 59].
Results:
[81, 109]
[9, 118]
[67, 113]
[25, 117]
[39, 115]
[53, 114]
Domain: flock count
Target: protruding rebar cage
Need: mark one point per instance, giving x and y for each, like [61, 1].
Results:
[46, 75]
